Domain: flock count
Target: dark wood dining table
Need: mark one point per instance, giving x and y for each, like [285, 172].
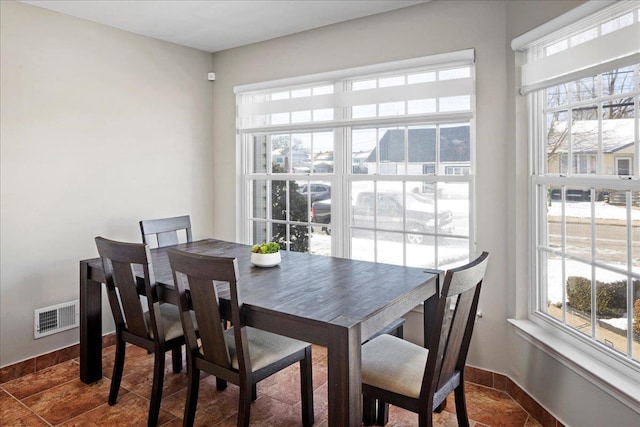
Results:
[334, 302]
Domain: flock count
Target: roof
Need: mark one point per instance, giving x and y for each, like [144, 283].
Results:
[617, 134]
[454, 145]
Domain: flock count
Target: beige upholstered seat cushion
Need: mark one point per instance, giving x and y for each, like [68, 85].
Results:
[170, 321]
[393, 364]
[265, 348]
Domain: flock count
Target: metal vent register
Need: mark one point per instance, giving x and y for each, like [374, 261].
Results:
[56, 318]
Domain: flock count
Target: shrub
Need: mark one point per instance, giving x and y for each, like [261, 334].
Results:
[579, 293]
[298, 235]
[636, 317]
[611, 298]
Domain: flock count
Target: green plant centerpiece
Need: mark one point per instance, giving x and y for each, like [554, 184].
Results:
[265, 254]
[265, 248]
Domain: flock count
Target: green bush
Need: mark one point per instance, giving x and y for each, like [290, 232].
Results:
[298, 211]
[636, 317]
[579, 293]
[611, 298]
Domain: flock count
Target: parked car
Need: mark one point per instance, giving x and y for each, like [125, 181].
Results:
[419, 214]
[318, 191]
[321, 214]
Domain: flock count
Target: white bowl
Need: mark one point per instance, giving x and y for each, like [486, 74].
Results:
[265, 260]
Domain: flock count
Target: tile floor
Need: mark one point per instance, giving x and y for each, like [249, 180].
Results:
[56, 397]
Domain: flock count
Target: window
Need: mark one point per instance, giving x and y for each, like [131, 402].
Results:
[584, 104]
[373, 163]
[623, 166]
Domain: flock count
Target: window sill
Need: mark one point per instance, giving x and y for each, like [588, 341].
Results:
[623, 384]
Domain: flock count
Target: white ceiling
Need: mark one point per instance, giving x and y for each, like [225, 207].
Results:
[214, 25]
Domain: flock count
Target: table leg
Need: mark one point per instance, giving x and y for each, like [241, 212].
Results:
[431, 310]
[345, 368]
[90, 327]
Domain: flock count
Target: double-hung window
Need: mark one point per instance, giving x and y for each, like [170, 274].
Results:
[372, 163]
[583, 88]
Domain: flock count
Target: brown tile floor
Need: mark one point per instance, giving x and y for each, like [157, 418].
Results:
[56, 397]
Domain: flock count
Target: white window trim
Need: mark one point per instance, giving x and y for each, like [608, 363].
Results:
[461, 56]
[620, 378]
[342, 126]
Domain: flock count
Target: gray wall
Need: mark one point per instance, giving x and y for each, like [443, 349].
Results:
[100, 128]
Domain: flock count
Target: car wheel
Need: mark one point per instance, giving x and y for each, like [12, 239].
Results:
[327, 230]
[415, 238]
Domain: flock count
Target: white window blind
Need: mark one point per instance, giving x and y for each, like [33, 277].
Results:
[607, 39]
[321, 99]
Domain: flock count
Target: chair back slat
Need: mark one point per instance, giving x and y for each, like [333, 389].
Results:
[190, 272]
[206, 306]
[168, 238]
[454, 323]
[118, 261]
[125, 281]
[165, 230]
[454, 337]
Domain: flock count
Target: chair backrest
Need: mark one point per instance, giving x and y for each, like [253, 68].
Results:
[454, 321]
[199, 273]
[165, 230]
[119, 260]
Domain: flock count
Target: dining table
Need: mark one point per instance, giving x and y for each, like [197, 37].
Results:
[334, 302]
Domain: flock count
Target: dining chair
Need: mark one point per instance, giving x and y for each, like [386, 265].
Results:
[165, 230]
[156, 327]
[418, 379]
[241, 354]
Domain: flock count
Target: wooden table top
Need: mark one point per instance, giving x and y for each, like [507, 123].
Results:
[312, 287]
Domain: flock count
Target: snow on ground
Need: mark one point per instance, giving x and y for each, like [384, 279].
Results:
[575, 268]
[620, 323]
[603, 210]
[418, 255]
[583, 210]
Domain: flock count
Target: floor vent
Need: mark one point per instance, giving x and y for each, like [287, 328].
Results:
[56, 318]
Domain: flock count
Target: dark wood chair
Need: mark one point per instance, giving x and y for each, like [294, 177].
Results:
[407, 375]
[241, 354]
[156, 329]
[165, 230]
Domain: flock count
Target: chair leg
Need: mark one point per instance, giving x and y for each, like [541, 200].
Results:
[244, 404]
[441, 407]
[192, 397]
[156, 389]
[425, 419]
[382, 413]
[461, 405]
[176, 359]
[220, 384]
[254, 392]
[306, 388]
[118, 367]
[368, 410]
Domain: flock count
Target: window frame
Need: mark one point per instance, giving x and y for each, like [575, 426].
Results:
[614, 373]
[585, 355]
[539, 176]
[342, 124]
[535, 72]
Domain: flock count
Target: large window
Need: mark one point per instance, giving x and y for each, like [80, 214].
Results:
[374, 163]
[584, 103]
